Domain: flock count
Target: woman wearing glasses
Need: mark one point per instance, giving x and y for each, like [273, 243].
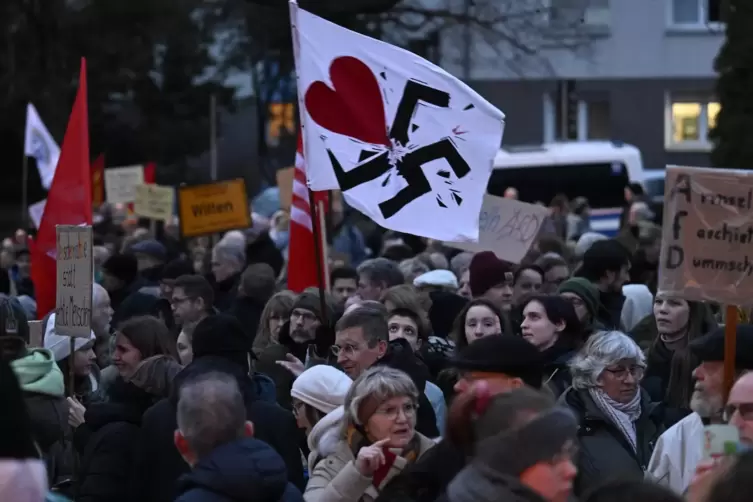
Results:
[619, 425]
[377, 440]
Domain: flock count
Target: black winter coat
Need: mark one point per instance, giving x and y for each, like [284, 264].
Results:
[604, 452]
[161, 465]
[247, 470]
[107, 444]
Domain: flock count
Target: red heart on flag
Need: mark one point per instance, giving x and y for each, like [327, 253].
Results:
[354, 107]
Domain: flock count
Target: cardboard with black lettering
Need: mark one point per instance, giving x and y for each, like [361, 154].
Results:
[706, 252]
[73, 305]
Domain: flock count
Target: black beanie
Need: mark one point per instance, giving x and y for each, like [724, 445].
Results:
[221, 335]
[122, 266]
[309, 300]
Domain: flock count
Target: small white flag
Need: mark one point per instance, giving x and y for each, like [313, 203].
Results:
[409, 145]
[38, 143]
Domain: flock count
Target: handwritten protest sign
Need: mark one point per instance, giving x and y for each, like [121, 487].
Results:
[154, 202]
[121, 183]
[206, 209]
[706, 252]
[73, 307]
[506, 226]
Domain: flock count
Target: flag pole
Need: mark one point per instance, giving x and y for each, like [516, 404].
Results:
[323, 242]
[315, 227]
[24, 189]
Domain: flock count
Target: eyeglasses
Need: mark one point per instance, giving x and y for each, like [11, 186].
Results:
[622, 373]
[298, 407]
[392, 412]
[307, 317]
[348, 350]
[745, 409]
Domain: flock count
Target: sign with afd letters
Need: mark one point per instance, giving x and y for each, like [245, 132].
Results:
[706, 252]
[73, 306]
[208, 209]
[154, 202]
[507, 227]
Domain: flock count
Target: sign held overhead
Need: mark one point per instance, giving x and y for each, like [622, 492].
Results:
[707, 235]
[507, 227]
[218, 207]
[73, 306]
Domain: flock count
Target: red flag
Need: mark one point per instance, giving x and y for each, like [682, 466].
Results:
[98, 181]
[69, 201]
[149, 173]
[302, 270]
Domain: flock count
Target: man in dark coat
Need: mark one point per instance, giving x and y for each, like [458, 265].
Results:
[256, 288]
[213, 436]
[219, 345]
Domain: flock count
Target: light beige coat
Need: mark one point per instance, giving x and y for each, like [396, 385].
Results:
[336, 479]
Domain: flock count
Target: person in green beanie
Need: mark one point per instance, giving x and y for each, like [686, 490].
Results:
[584, 297]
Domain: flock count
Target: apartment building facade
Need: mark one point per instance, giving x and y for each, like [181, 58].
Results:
[645, 77]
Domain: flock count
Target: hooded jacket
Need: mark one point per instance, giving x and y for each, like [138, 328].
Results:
[43, 385]
[247, 470]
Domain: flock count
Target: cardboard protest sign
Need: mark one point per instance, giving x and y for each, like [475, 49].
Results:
[507, 227]
[73, 305]
[154, 202]
[707, 235]
[285, 185]
[36, 334]
[121, 183]
[207, 209]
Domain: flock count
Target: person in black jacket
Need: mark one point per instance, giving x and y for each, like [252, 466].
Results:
[219, 345]
[256, 287]
[214, 437]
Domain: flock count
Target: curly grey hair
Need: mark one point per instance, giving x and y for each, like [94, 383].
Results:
[380, 383]
[603, 349]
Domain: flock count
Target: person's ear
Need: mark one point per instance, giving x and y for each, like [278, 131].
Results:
[560, 326]
[248, 429]
[381, 348]
[516, 383]
[181, 444]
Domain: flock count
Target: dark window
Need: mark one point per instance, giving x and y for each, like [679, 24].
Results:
[602, 184]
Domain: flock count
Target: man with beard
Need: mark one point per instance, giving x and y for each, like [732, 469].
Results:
[679, 450]
[304, 340]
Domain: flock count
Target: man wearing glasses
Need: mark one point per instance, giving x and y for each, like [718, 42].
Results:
[680, 449]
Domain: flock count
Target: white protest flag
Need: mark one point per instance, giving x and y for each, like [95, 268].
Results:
[38, 143]
[409, 145]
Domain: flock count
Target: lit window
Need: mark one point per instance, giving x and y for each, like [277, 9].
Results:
[689, 122]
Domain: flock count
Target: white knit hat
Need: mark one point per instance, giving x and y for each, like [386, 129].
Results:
[439, 278]
[322, 387]
[61, 345]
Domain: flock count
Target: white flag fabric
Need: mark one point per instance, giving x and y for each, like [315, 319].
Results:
[36, 211]
[39, 143]
[409, 145]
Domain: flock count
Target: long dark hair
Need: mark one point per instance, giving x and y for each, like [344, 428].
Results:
[16, 437]
[458, 330]
[150, 336]
[679, 386]
[560, 310]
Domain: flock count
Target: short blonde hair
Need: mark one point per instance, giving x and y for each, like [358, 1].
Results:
[379, 384]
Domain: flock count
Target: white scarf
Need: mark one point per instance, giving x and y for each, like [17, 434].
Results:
[623, 415]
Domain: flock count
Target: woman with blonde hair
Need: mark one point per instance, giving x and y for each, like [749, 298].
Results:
[378, 439]
[276, 312]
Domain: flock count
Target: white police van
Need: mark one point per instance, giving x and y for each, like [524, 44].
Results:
[597, 170]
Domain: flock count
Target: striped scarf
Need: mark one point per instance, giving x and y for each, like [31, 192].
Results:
[622, 415]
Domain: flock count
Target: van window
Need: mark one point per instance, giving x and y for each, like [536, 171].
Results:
[602, 184]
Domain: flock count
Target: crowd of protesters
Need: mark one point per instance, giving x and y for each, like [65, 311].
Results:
[424, 374]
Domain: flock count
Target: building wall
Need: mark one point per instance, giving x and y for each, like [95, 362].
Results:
[638, 39]
[636, 114]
